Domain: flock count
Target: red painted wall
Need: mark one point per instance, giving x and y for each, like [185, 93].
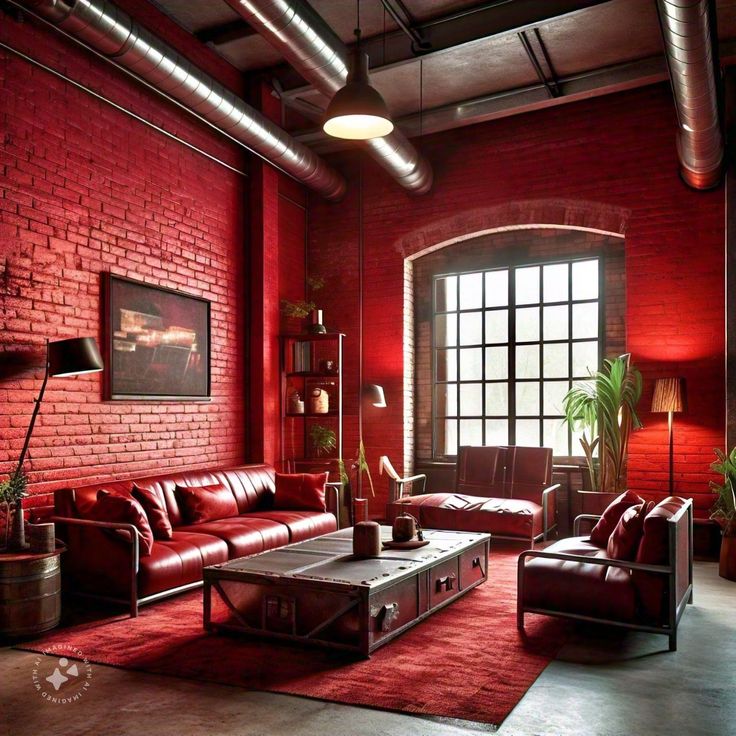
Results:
[86, 189]
[609, 163]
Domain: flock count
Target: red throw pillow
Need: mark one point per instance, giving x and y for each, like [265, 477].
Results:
[206, 503]
[624, 541]
[155, 510]
[300, 491]
[611, 516]
[112, 507]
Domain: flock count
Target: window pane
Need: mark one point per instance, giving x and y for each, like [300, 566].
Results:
[497, 432]
[471, 291]
[527, 361]
[527, 399]
[497, 399]
[446, 400]
[555, 436]
[527, 432]
[555, 323]
[497, 326]
[471, 431]
[471, 364]
[471, 328]
[497, 288]
[445, 330]
[554, 393]
[527, 324]
[584, 358]
[585, 280]
[449, 446]
[446, 294]
[555, 361]
[497, 363]
[585, 320]
[447, 365]
[556, 283]
[471, 399]
[527, 285]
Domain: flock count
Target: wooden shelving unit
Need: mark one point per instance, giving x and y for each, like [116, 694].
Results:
[307, 362]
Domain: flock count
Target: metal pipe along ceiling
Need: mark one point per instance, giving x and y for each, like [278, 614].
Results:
[313, 49]
[112, 32]
[689, 36]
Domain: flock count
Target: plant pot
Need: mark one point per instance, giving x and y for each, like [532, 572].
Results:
[727, 562]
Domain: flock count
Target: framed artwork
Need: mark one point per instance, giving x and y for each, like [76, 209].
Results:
[157, 342]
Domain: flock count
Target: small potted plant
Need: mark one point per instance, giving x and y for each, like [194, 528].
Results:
[12, 492]
[323, 439]
[302, 308]
[724, 511]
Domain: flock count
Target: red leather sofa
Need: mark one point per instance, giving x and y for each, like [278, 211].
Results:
[98, 563]
[504, 491]
[577, 578]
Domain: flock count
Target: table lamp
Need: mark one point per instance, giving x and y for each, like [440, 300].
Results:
[669, 396]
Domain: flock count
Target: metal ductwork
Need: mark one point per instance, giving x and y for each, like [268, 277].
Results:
[688, 29]
[313, 49]
[110, 31]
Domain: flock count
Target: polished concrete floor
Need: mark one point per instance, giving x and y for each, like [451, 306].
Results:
[604, 683]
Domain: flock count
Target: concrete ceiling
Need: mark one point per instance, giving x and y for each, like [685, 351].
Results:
[478, 67]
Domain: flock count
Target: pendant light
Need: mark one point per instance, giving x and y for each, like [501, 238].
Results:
[357, 111]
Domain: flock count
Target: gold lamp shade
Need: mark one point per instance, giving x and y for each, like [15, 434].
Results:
[669, 396]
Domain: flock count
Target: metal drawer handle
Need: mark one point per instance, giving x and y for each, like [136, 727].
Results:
[387, 615]
[447, 582]
[476, 561]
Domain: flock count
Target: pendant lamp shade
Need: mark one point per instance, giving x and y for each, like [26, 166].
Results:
[357, 111]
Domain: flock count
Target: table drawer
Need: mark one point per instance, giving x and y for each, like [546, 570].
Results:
[392, 608]
[473, 566]
[443, 582]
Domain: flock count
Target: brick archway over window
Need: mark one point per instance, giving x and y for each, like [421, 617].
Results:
[590, 217]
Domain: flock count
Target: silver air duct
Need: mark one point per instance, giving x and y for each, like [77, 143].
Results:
[689, 36]
[107, 29]
[313, 49]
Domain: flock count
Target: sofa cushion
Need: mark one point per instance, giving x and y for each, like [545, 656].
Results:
[578, 587]
[300, 491]
[611, 516]
[155, 509]
[624, 540]
[244, 535]
[124, 509]
[206, 503]
[502, 516]
[301, 525]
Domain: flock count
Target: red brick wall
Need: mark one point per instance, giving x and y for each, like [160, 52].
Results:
[86, 189]
[606, 164]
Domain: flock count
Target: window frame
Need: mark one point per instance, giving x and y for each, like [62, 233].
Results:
[511, 265]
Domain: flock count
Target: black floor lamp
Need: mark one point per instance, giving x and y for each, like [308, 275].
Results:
[63, 358]
[669, 397]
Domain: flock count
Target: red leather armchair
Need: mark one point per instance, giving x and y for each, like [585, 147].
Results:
[574, 578]
[504, 491]
[103, 565]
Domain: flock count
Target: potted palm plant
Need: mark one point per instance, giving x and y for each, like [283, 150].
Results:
[724, 511]
[603, 410]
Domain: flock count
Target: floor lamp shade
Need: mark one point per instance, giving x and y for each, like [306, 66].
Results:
[669, 395]
[374, 394]
[74, 356]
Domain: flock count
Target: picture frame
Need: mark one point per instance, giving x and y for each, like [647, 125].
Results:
[156, 342]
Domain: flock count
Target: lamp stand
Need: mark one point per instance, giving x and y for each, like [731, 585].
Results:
[17, 541]
[670, 421]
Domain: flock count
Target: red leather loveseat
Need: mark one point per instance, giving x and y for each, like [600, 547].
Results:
[503, 491]
[108, 559]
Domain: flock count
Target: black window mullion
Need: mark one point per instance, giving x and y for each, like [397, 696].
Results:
[511, 382]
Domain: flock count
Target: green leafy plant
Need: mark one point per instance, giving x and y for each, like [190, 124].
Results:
[603, 409]
[724, 509]
[323, 439]
[12, 491]
[361, 466]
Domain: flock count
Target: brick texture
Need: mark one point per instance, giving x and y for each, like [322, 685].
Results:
[606, 165]
[86, 189]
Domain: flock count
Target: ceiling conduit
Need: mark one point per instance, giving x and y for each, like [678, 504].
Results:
[110, 31]
[688, 29]
[315, 51]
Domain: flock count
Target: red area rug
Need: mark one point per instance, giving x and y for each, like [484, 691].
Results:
[466, 661]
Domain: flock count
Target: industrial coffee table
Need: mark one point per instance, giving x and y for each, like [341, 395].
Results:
[317, 592]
